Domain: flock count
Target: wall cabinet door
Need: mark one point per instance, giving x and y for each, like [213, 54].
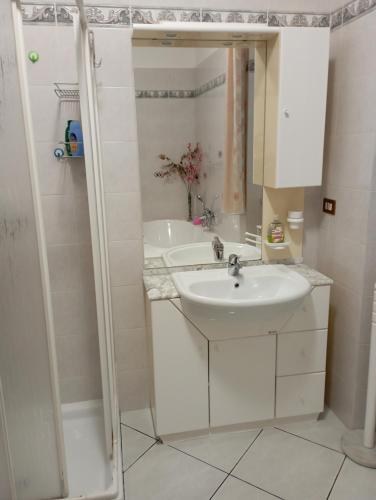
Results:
[180, 374]
[295, 107]
[242, 380]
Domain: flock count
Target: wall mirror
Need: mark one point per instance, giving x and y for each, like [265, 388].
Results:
[200, 117]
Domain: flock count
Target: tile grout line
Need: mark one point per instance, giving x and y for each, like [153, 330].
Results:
[308, 440]
[199, 459]
[335, 479]
[240, 459]
[260, 432]
[239, 479]
[138, 458]
[219, 487]
[133, 428]
[255, 486]
[121, 455]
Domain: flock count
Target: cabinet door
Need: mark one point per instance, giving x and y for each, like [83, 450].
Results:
[180, 370]
[301, 352]
[242, 380]
[313, 313]
[295, 107]
[300, 394]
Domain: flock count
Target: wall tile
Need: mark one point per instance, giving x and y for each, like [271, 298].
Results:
[126, 262]
[121, 167]
[59, 219]
[74, 312]
[70, 267]
[82, 219]
[128, 307]
[346, 240]
[130, 349]
[49, 114]
[112, 45]
[76, 389]
[117, 113]
[347, 152]
[43, 41]
[133, 389]
[123, 216]
[54, 177]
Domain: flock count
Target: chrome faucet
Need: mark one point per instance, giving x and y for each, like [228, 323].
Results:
[208, 216]
[217, 248]
[233, 265]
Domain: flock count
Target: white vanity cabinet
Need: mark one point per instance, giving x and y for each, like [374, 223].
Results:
[241, 380]
[296, 89]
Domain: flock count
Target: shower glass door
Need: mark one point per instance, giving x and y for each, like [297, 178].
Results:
[27, 407]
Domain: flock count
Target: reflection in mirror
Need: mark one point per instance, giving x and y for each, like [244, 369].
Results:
[195, 115]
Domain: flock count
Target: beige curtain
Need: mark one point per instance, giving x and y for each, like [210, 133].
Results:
[236, 131]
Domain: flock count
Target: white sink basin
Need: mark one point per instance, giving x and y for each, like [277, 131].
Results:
[202, 253]
[260, 300]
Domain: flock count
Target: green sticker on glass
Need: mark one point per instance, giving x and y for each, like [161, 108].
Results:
[33, 56]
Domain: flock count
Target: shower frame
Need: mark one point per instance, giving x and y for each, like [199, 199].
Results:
[85, 52]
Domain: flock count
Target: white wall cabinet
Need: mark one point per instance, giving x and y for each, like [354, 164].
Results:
[241, 380]
[296, 90]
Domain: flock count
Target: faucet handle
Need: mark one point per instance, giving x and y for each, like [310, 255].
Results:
[233, 259]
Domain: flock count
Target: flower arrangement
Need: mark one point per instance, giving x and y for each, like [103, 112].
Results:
[187, 169]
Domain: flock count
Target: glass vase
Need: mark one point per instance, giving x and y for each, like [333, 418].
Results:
[189, 218]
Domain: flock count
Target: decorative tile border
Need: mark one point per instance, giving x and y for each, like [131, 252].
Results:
[147, 15]
[165, 94]
[48, 13]
[232, 16]
[294, 20]
[108, 16]
[210, 85]
[356, 9]
[38, 13]
[336, 19]
[187, 94]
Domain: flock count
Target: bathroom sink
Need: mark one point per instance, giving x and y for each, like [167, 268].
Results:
[260, 300]
[202, 253]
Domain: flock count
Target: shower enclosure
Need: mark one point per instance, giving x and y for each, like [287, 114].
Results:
[50, 446]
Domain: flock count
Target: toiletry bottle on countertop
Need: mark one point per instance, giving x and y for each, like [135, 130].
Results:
[276, 233]
[74, 139]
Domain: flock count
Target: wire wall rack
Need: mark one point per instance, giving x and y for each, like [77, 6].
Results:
[67, 91]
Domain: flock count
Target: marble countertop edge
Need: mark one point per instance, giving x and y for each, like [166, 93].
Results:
[161, 286]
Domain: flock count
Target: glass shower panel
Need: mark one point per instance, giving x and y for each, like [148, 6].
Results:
[24, 359]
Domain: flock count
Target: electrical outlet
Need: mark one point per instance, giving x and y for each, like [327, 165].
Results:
[329, 206]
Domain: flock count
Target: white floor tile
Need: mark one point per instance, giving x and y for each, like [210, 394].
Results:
[234, 489]
[220, 450]
[289, 466]
[140, 420]
[167, 474]
[355, 482]
[134, 445]
[326, 431]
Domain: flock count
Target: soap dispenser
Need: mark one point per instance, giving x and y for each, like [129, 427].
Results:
[276, 232]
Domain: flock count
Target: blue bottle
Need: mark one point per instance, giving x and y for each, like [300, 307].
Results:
[74, 138]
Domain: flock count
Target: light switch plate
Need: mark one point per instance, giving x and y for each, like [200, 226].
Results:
[329, 206]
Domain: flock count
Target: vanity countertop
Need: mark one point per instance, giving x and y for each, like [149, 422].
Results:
[161, 286]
